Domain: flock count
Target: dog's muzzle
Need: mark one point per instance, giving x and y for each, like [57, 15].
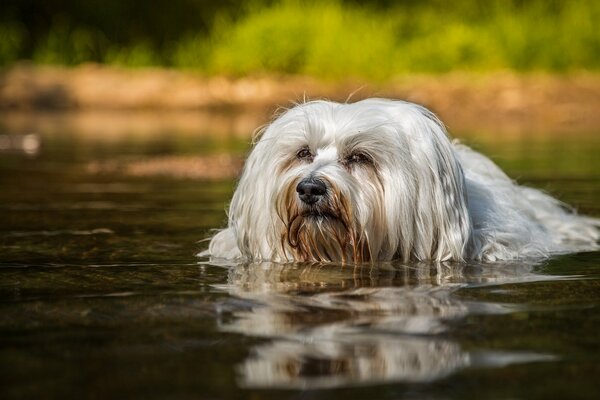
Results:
[311, 190]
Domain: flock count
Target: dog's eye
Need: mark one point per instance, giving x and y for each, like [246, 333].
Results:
[358, 158]
[304, 154]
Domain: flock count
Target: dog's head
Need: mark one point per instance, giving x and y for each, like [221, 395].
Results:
[372, 180]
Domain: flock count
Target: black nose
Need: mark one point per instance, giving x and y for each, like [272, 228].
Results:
[311, 190]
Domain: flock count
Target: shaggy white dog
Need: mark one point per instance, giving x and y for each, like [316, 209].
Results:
[380, 180]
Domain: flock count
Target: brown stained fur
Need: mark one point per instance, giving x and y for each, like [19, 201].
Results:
[287, 165]
[333, 238]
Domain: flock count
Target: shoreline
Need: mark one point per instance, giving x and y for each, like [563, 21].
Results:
[503, 101]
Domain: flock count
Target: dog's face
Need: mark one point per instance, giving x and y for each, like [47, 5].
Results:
[351, 182]
[331, 195]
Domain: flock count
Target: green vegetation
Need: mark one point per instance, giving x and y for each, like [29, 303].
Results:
[334, 39]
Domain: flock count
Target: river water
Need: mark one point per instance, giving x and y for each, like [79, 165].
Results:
[102, 296]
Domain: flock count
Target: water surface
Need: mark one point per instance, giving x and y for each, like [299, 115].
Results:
[101, 295]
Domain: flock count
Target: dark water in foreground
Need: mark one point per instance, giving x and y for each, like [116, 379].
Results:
[101, 295]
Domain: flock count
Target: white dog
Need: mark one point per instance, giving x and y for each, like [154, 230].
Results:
[380, 180]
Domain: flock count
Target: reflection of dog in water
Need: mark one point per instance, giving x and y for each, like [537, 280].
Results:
[380, 180]
[330, 326]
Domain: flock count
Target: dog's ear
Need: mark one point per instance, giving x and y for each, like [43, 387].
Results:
[251, 218]
[449, 208]
[435, 216]
[248, 200]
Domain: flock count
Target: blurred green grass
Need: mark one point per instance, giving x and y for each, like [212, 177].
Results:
[337, 40]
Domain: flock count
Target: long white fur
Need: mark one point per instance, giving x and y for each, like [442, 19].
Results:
[433, 199]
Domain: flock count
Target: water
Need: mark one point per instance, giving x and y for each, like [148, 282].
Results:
[101, 295]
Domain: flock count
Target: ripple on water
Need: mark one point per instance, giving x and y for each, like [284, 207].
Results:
[334, 326]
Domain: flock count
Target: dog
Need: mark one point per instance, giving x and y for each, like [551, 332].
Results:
[379, 180]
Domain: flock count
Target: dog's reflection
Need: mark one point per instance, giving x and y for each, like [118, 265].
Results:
[339, 325]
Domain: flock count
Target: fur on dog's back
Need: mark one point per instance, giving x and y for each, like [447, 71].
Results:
[511, 221]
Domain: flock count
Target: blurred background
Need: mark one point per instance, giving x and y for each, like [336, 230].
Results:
[373, 39]
[515, 64]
